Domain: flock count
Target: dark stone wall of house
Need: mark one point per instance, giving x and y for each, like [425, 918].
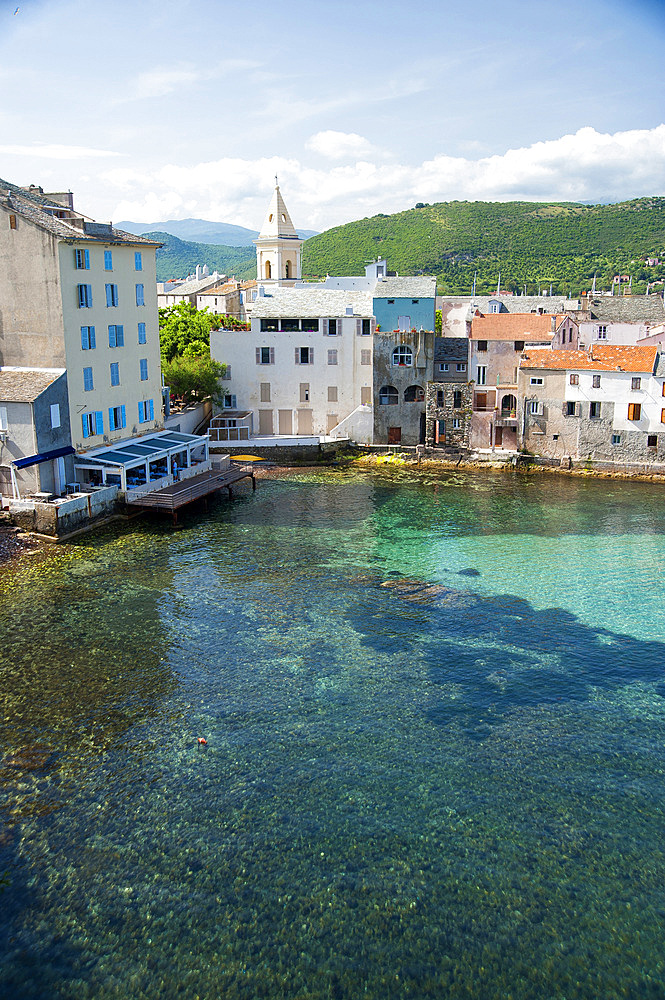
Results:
[456, 437]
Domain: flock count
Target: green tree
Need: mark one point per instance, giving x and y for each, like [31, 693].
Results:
[194, 378]
[438, 323]
[181, 326]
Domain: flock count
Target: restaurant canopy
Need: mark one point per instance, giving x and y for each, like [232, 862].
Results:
[132, 458]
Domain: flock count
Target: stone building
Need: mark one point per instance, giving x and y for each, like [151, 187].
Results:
[605, 404]
[403, 365]
[449, 397]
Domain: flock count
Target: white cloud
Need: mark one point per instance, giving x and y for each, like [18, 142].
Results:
[584, 166]
[339, 145]
[55, 151]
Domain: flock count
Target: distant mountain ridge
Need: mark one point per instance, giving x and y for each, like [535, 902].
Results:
[178, 258]
[201, 231]
[528, 244]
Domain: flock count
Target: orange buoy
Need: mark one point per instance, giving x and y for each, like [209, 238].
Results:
[202, 741]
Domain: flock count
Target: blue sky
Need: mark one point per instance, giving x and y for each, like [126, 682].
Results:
[149, 111]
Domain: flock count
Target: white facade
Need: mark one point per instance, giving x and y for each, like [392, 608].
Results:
[278, 246]
[601, 332]
[624, 390]
[306, 365]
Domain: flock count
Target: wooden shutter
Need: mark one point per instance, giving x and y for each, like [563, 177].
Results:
[578, 409]
[297, 355]
[662, 416]
[99, 421]
[634, 411]
[111, 419]
[123, 413]
[258, 355]
[272, 355]
[359, 327]
[311, 355]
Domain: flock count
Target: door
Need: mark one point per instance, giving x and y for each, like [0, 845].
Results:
[498, 437]
[365, 394]
[59, 475]
[285, 418]
[394, 435]
[440, 432]
[265, 421]
[305, 422]
[332, 421]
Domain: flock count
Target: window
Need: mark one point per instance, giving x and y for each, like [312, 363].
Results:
[84, 296]
[116, 336]
[111, 295]
[265, 355]
[82, 260]
[414, 302]
[457, 399]
[310, 325]
[365, 357]
[570, 409]
[366, 327]
[403, 323]
[482, 346]
[143, 369]
[444, 367]
[457, 423]
[391, 302]
[460, 367]
[304, 392]
[55, 414]
[140, 296]
[268, 325]
[602, 333]
[414, 394]
[87, 380]
[142, 335]
[536, 380]
[290, 325]
[402, 357]
[332, 357]
[636, 383]
[388, 395]
[634, 411]
[594, 410]
[616, 439]
[87, 338]
[108, 260]
[117, 418]
[147, 411]
[115, 374]
[332, 393]
[595, 381]
[230, 402]
[574, 380]
[652, 441]
[12, 222]
[265, 392]
[519, 345]
[138, 261]
[481, 378]
[93, 423]
[440, 398]
[304, 355]
[331, 327]
[534, 406]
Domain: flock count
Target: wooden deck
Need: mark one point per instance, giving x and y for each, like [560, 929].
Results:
[173, 497]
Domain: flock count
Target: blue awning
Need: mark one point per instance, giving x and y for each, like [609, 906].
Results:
[23, 463]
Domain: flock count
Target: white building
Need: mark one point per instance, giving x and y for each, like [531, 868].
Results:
[306, 365]
[278, 246]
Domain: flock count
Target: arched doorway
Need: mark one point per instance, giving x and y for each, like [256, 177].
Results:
[509, 406]
[268, 270]
[287, 269]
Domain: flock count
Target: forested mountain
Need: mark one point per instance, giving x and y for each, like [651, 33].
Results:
[528, 243]
[178, 258]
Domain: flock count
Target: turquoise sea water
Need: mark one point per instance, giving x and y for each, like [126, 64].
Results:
[435, 714]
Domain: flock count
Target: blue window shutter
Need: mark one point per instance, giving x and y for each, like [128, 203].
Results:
[108, 295]
[79, 293]
[91, 335]
[87, 379]
[99, 421]
[119, 336]
[143, 369]
[111, 336]
[108, 260]
[141, 420]
[142, 336]
[139, 295]
[88, 295]
[123, 422]
[87, 259]
[138, 261]
[111, 419]
[85, 425]
[152, 410]
[84, 338]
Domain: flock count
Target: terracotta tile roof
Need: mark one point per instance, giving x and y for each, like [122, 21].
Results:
[597, 358]
[514, 326]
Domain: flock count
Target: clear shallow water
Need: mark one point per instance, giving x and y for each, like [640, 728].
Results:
[417, 783]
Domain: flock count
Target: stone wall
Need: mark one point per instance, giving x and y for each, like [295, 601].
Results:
[456, 437]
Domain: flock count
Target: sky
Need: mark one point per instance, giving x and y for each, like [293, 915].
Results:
[153, 111]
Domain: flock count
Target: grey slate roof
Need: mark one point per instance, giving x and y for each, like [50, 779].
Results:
[512, 303]
[36, 208]
[627, 308]
[311, 303]
[24, 385]
[450, 349]
[419, 287]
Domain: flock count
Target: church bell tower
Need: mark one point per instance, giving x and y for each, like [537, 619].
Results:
[278, 247]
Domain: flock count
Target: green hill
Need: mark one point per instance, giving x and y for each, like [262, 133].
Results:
[537, 244]
[178, 258]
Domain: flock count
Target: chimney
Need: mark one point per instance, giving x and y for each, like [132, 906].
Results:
[553, 324]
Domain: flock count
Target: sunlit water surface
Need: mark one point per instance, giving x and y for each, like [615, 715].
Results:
[435, 714]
